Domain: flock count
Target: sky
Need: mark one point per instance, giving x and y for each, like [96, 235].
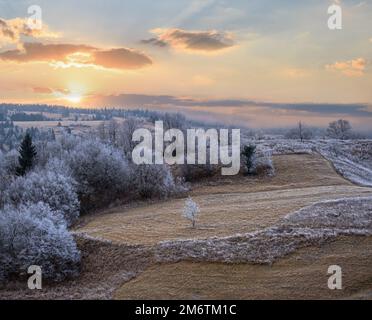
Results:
[262, 63]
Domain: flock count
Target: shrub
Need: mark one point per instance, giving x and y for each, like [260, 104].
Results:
[47, 150]
[101, 172]
[264, 163]
[153, 180]
[340, 129]
[35, 235]
[50, 187]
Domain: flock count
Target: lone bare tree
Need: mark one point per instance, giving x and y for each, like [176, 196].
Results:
[300, 132]
[191, 211]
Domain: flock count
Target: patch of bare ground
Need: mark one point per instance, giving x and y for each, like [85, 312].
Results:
[301, 275]
[229, 205]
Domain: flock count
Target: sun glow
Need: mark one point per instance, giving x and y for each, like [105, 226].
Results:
[74, 98]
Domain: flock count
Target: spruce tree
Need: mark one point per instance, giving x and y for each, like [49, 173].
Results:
[27, 153]
[248, 154]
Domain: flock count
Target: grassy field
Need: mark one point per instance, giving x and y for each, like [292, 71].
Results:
[229, 205]
[302, 275]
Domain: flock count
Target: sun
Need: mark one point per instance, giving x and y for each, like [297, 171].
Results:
[74, 98]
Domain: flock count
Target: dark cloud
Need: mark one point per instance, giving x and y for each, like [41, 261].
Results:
[5, 31]
[351, 109]
[202, 41]
[136, 100]
[155, 42]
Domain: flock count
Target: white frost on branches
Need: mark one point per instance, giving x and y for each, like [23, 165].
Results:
[191, 211]
[33, 234]
[51, 187]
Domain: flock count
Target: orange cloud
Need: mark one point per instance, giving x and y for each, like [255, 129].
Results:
[40, 52]
[350, 68]
[196, 41]
[70, 55]
[12, 30]
[45, 90]
[42, 90]
[121, 58]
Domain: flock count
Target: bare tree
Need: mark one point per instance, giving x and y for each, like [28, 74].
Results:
[340, 129]
[101, 131]
[109, 132]
[127, 129]
[113, 128]
[300, 132]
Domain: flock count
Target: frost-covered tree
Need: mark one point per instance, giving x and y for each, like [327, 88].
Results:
[68, 141]
[191, 211]
[11, 162]
[48, 186]
[27, 153]
[10, 135]
[47, 150]
[153, 180]
[340, 129]
[128, 127]
[33, 234]
[264, 163]
[101, 171]
[8, 166]
[3, 176]
[113, 132]
[174, 121]
[109, 132]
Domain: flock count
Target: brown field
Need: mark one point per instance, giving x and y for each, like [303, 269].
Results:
[302, 275]
[230, 205]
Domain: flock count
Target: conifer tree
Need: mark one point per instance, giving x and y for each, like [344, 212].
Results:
[248, 154]
[27, 154]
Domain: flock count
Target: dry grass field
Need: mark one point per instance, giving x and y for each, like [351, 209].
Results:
[229, 205]
[302, 275]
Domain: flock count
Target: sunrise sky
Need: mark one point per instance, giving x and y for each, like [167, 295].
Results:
[258, 62]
